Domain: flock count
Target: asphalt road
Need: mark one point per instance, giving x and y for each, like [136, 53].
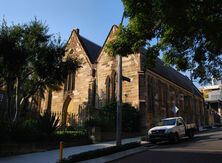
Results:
[203, 148]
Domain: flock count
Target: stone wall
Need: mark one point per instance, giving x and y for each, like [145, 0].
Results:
[106, 72]
[162, 95]
[74, 101]
[152, 94]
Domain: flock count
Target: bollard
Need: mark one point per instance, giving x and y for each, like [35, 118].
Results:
[61, 150]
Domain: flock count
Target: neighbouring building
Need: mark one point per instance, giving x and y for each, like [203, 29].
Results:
[213, 100]
[153, 91]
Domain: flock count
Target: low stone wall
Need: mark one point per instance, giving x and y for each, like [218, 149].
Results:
[96, 135]
[106, 136]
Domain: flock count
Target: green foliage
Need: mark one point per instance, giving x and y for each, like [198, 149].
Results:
[106, 118]
[26, 131]
[48, 123]
[69, 135]
[5, 130]
[188, 33]
[72, 134]
[38, 129]
[33, 57]
[130, 118]
[42, 128]
[33, 129]
[99, 152]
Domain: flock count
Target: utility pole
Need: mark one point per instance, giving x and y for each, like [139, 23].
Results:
[119, 98]
[119, 103]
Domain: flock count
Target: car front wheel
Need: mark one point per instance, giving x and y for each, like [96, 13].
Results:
[174, 138]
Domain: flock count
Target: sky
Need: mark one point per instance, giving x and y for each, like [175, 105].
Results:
[94, 18]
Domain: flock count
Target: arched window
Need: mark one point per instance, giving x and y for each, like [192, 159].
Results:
[73, 80]
[70, 82]
[113, 85]
[107, 89]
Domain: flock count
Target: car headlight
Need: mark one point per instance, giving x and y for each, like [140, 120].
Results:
[149, 132]
[167, 131]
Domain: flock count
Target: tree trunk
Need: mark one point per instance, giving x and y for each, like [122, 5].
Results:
[23, 106]
[17, 85]
[49, 104]
[8, 106]
[9, 99]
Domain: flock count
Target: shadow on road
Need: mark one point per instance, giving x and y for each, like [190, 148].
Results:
[205, 147]
[186, 141]
[172, 157]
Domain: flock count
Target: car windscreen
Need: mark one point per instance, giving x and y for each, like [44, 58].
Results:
[168, 122]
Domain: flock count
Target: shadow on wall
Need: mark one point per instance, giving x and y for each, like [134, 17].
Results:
[85, 110]
[73, 119]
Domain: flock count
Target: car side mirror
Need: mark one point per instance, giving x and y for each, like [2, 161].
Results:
[179, 124]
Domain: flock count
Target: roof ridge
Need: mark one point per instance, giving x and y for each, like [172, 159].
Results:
[182, 75]
[89, 40]
[175, 76]
[114, 25]
[172, 69]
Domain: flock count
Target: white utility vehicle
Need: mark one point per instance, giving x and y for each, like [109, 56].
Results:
[171, 129]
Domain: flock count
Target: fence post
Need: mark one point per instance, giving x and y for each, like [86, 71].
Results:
[60, 150]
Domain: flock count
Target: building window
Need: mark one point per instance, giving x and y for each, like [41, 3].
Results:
[70, 82]
[164, 95]
[107, 89]
[113, 85]
[93, 72]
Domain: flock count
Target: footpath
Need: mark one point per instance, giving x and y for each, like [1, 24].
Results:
[53, 155]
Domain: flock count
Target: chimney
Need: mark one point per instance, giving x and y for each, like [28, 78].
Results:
[77, 31]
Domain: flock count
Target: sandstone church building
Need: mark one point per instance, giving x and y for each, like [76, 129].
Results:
[153, 91]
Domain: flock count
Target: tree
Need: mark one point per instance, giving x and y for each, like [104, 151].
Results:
[188, 33]
[11, 58]
[31, 61]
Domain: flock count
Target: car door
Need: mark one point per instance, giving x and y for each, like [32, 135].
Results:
[180, 127]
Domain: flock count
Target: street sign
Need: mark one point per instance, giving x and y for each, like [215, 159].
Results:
[126, 79]
[175, 109]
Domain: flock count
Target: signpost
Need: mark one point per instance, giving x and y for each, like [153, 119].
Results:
[175, 109]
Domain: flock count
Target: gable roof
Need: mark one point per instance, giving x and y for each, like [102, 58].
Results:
[91, 48]
[174, 76]
[93, 52]
[107, 37]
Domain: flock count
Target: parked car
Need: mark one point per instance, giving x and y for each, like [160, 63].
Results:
[171, 129]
